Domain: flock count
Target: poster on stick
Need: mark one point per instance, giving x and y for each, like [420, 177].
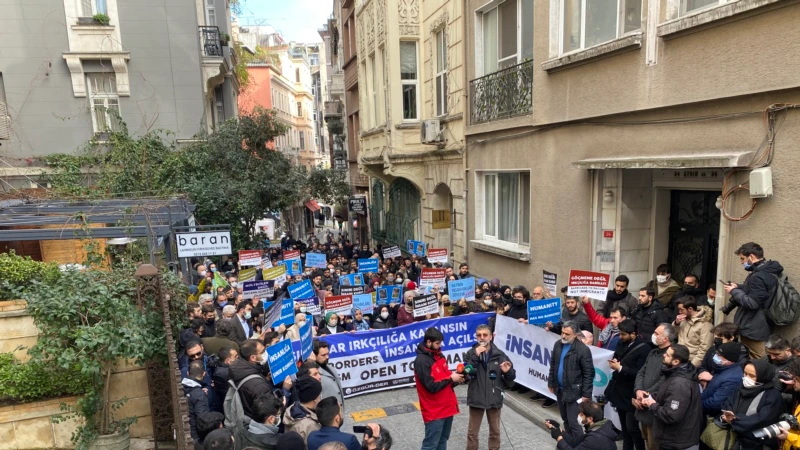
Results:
[550, 282]
[426, 304]
[437, 255]
[248, 258]
[432, 277]
[590, 284]
[392, 252]
[542, 311]
[339, 304]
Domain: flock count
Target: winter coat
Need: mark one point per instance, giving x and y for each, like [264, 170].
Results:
[517, 312]
[404, 317]
[697, 334]
[793, 441]
[437, 398]
[221, 377]
[487, 386]
[620, 389]
[752, 297]
[332, 434]
[380, 324]
[600, 436]
[678, 411]
[331, 384]
[628, 303]
[301, 420]
[726, 381]
[610, 342]
[198, 404]
[255, 435]
[665, 296]
[708, 361]
[323, 329]
[580, 318]
[648, 318]
[770, 407]
[648, 379]
[578, 371]
[212, 345]
[252, 388]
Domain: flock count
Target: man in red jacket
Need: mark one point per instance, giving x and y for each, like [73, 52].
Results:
[435, 382]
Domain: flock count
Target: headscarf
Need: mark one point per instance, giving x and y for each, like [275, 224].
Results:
[408, 298]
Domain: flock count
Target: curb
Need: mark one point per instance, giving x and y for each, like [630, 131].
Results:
[529, 409]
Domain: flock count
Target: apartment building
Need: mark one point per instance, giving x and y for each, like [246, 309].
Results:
[412, 113]
[624, 135]
[71, 69]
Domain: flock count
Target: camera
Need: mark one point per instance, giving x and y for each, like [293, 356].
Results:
[785, 376]
[787, 421]
[600, 399]
[213, 362]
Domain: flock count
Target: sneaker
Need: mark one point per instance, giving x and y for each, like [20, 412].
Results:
[548, 403]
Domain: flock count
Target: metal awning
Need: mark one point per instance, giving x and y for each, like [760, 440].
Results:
[312, 205]
[696, 161]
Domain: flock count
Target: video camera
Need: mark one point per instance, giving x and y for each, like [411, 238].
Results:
[787, 422]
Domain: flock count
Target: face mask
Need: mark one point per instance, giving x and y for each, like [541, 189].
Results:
[488, 302]
[301, 323]
[384, 315]
[247, 316]
[717, 342]
[507, 295]
[687, 288]
[234, 284]
[278, 422]
[210, 321]
[263, 361]
[748, 382]
[654, 339]
[303, 309]
[518, 302]
[202, 273]
[580, 419]
[711, 301]
[747, 265]
[717, 360]
[213, 269]
[661, 279]
[390, 279]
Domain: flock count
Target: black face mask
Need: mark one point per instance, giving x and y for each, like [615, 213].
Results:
[210, 321]
[688, 288]
[717, 342]
[518, 302]
[507, 295]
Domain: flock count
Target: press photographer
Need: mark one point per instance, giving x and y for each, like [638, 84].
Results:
[791, 434]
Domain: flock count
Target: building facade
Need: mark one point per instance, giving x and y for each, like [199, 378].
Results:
[412, 108]
[66, 77]
[626, 138]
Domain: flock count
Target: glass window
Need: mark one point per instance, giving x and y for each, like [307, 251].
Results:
[688, 6]
[91, 7]
[490, 41]
[526, 22]
[211, 13]
[409, 79]
[104, 102]
[507, 35]
[507, 207]
[587, 23]
[302, 140]
[490, 194]
[441, 73]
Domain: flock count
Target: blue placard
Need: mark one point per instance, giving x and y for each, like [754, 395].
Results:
[266, 304]
[316, 260]
[280, 358]
[353, 279]
[368, 265]
[385, 295]
[458, 289]
[302, 289]
[418, 248]
[287, 314]
[364, 303]
[293, 266]
[543, 311]
[306, 340]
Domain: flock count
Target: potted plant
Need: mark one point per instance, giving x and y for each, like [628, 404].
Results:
[224, 38]
[101, 19]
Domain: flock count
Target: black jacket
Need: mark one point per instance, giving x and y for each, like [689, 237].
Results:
[380, 324]
[220, 379]
[239, 335]
[678, 410]
[752, 297]
[649, 379]
[580, 318]
[770, 407]
[620, 389]
[708, 360]
[198, 404]
[249, 391]
[578, 371]
[600, 436]
[488, 384]
[648, 319]
[518, 311]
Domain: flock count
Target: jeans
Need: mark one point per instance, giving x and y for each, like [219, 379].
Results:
[437, 433]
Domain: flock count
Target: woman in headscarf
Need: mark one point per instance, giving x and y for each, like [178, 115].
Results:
[293, 332]
[462, 307]
[359, 323]
[331, 325]
[405, 313]
[383, 319]
[756, 405]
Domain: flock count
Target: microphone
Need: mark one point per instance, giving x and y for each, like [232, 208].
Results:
[469, 370]
[460, 368]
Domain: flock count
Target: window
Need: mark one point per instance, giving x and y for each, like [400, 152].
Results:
[409, 79]
[302, 140]
[5, 118]
[104, 102]
[506, 207]
[441, 73]
[218, 106]
[297, 75]
[300, 109]
[89, 8]
[507, 34]
[211, 13]
[374, 87]
[587, 23]
[689, 6]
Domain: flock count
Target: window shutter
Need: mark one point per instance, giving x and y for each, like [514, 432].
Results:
[5, 122]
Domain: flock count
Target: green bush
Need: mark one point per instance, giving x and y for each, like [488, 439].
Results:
[28, 382]
[17, 272]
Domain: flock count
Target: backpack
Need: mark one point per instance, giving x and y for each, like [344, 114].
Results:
[784, 306]
[234, 411]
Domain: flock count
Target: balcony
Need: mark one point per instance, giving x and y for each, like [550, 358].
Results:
[210, 42]
[333, 109]
[336, 82]
[502, 94]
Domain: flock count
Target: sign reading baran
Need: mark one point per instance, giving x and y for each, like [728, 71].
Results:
[207, 243]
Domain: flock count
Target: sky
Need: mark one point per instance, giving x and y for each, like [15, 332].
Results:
[296, 20]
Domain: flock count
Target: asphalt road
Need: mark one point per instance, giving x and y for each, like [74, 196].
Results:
[404, 422]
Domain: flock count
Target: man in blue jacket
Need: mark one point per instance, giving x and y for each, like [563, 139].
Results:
[329, 414]
[727, 378]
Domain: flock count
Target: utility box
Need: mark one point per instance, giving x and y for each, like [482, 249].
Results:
[761, 182]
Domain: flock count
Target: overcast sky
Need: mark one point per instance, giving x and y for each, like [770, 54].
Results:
[296, 20]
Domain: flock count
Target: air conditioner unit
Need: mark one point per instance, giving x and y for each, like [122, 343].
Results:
[431, 132]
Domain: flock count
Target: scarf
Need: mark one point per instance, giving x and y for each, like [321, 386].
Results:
[611, 299]
[607, 333]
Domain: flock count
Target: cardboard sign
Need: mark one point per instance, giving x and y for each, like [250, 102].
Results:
[302, 289]
[306, 339]
[368, 265]
[287, 314]
[459, 289]
[416, 247]
[261, 289]
[291, 254]
[280, 358]
[437, 255]
[542, 311]
[388, 294]
[590, 284]
[249, 258]
[247, 275]
[207, 243]
[266, 262]
[392, 252]
[293, 266]
[276, 273]
[550, 282]
[316, 260]
[433, 277]
[364, 302]
[311, 304]
[339, 304]
[353, 279]
[351, 290]
[426, 304]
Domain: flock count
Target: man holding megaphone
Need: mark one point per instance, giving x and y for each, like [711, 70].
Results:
[489, 373]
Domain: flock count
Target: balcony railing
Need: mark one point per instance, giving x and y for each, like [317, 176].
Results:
[501, 94]
[210, 42]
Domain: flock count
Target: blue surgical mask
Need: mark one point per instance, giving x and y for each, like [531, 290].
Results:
[247, 316]
[213, 269]
[747, 265]
[717, 360]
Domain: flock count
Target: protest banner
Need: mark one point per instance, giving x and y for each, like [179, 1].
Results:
[293, 266]
[351, 290]
[391, 252]
[416, 247]
[291, 254]
[590, 284]
[459, 289]
[276, 273]
[378, 360]
[388, 294]
[302, 289]
[364, 302]
[353, 279]
[339, 304]
[433, 277]
[426, 304]
[542, 311]
[306, 340]
[249, 258]
[550, 283]
[368, 265]
[266, 262]
[280, 358]
[316, 260]
[246, 275]
[437, 255]
[311, 304]
[286, 316]
[261, 289]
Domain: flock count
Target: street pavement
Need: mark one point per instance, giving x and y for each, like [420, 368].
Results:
[405, 422]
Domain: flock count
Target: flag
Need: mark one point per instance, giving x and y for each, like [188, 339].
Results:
[218, 282]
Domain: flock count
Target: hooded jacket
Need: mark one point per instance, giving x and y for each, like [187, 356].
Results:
[708, 360]
[666, 295]
[752, 297]
[489, 383]
[726, 381]
[437, 398]
[600, 436]
[648, 379]
[258, 435]
[678, 410]
[632, 357]
[697, 334]
[578, 371]
[770, 407]
[301, 420]
[251, 389]
[198, 404]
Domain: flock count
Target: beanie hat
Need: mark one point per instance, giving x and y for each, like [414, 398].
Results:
[730, 351]
[308, 389]
[290, 441]
[411, 285]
